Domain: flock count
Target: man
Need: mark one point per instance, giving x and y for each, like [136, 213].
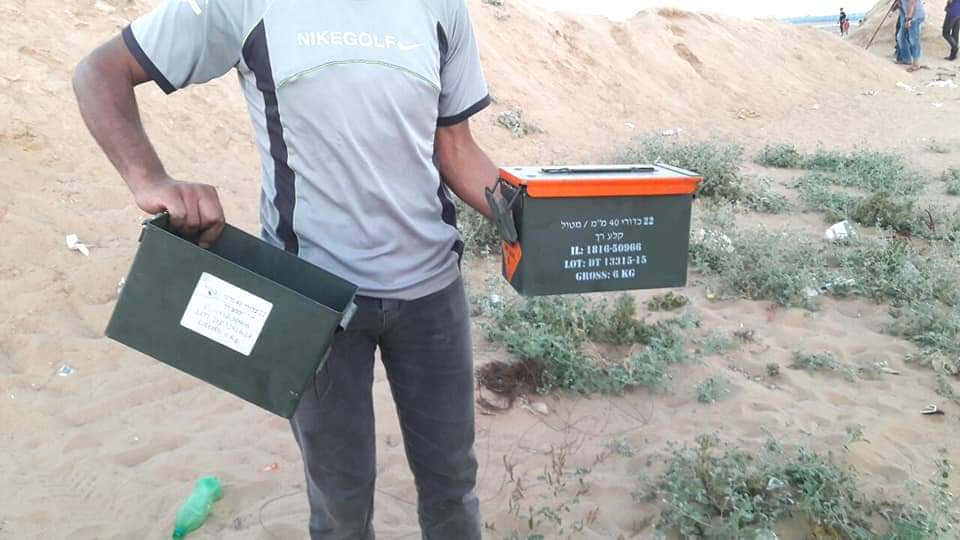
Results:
[361, 117]
[913, 14]
[844, 25]
[896, 33]
[951, 28]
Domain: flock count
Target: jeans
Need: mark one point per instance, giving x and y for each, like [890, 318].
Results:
[896, 40]
[951, 33]
[908, 40]
[425, 348]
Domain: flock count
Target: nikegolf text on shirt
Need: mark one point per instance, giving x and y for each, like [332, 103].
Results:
[353, 39]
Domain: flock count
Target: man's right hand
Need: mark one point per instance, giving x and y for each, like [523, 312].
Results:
[103, 83]
[193, 208]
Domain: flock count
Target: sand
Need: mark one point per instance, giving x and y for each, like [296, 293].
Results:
[110, 451]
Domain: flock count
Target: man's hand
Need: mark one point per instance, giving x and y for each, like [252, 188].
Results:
[909, 23]
[193, 208]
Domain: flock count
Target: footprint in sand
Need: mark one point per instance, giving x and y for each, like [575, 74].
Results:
[148, 449]
[622, 38]
[684, 52]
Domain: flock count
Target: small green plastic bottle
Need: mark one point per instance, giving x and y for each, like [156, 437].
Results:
[197, 507]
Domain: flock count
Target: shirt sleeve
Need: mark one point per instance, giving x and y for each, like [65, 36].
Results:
[463, 88]
[183, 42]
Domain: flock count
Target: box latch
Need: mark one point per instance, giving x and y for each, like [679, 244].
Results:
[348, 313]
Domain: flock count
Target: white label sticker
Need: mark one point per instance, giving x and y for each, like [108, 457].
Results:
[226, 314]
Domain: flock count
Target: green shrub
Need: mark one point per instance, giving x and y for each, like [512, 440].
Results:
[516, 123]
[880, 172]
[480, 235]
[886, 212]
[710, 390]
[619, 325]
[717, 162]
[560, 335]
[717, 342]
[762, 265]
[882, 210]
[815, 362]
[923, 282]
[717, 491]
[773, 369]
[874, 172]
[621, 447]
[945, 389]
[825, 160]
[900, 213]
[952, 178]
[897, 271]
[667, 302]
[760, 198]
[783, 156]
[817, 193]
[936, 329]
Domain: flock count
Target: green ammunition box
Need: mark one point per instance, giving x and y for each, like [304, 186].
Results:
[244, 316]
[593, 228]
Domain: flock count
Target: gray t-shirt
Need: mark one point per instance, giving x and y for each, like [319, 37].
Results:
[345, 98]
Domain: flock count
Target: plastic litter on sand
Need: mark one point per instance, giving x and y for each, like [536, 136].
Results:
[839, 231]
[74, 243]
[947, 83]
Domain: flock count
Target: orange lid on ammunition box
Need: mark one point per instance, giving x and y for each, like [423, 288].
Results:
[602, 180]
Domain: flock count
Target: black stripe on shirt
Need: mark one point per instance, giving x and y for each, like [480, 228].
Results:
[148, 66]
[257, 57]
[470, 111]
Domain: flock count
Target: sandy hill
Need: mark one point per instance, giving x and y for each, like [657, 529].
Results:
[665, 67]
[660, 68]
[885, 38]
[109, 451]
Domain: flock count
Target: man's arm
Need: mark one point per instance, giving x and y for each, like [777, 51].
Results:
[104, 84]
[465, 167]
[911, 7]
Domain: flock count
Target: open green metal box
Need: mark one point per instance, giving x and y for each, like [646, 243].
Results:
[593, 228]
[244, 316]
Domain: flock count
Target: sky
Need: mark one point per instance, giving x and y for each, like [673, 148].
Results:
[623, 9]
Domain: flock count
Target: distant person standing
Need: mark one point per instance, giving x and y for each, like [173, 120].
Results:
[896, 33]
[913, 15]
[844, 23]
[951, 27]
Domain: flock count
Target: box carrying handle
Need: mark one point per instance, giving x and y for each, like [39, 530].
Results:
[598, 170]
[503, 213]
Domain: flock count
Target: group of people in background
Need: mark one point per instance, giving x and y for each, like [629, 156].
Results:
[912, 15]
[844, 23]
